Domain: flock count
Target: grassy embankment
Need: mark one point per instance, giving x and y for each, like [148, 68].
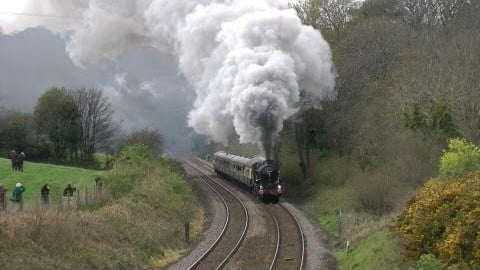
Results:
[137, 224]
[35, 175]
[330, 199]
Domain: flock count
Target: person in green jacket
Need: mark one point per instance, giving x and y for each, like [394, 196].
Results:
[17, 194]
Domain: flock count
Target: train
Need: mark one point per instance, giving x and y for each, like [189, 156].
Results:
[259, 175]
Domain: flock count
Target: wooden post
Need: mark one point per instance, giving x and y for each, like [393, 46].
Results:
[187, 232]
[86, 197]
[339, 223]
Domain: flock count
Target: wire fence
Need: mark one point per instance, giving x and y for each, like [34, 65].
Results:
[83, 198]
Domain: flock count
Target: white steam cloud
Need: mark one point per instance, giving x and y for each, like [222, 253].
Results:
[248, 60]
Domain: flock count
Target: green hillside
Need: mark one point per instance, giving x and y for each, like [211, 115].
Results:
[35, 175]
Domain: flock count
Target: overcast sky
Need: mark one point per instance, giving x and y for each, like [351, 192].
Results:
[144, 86]
[245, 62]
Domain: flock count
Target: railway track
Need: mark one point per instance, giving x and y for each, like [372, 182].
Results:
[234, 229]
[290, 248]
[283, 243]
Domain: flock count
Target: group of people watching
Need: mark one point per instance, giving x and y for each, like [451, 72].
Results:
[17, 194]
[17, 160]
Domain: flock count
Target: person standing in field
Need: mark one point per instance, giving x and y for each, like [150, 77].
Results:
[3, 195]
[17, 195]
[44, 192]
[20, 159]
[13, 158]
[68, 194]
[69, 190]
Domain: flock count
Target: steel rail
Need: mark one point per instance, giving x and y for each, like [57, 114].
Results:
[298, 226]
[278, 239]
[227, 211]
[244, 232]
[300, 230]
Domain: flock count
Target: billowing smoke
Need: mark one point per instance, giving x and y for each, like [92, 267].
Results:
[248, 60]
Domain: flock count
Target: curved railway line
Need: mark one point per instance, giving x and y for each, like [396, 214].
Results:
[234, 230]
[286, 251]
[289, 252]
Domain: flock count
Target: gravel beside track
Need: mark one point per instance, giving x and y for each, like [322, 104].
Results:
[317, 256]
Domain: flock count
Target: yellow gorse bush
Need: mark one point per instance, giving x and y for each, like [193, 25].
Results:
[443, 219]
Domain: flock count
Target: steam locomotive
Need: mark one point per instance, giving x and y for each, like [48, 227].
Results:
[259, 175]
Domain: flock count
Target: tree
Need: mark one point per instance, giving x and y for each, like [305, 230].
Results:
[56, 115]
[13, 132]
[95, 118]
[152, 139]
[417, 13]
[325, 14]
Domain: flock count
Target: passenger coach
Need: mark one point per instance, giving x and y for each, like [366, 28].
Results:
[260, 175]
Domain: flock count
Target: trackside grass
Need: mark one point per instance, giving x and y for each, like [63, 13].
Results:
[329, 199]
[377, 251]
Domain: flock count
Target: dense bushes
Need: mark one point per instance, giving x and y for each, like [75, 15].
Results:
[129, 167]
[442, 218]
[461, 157]
[373, 193]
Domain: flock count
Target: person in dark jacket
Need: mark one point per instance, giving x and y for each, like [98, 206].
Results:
[44, 192]
[68, 199]
[20, 159]
[69, 190]
[13, 159]
[17, 194]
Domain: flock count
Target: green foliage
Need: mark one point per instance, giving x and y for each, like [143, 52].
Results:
[329, 223]
[56, 115]
[14, 133]
[13, 130]
[150, 138]
[416, 120]
[129, 167]
[442, 219]
[461, 157]
[136, 154]
[184, 203]
[378, 251]
[440, 119]
[309, 12]
[102, 161]
[428, 262]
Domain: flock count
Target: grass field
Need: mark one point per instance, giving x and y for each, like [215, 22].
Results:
[35, 175]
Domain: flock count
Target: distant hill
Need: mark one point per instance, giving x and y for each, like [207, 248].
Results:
[35, 175]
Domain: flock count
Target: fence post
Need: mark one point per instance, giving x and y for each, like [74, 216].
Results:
[339, 222]
[187, 232]
[86, 197]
